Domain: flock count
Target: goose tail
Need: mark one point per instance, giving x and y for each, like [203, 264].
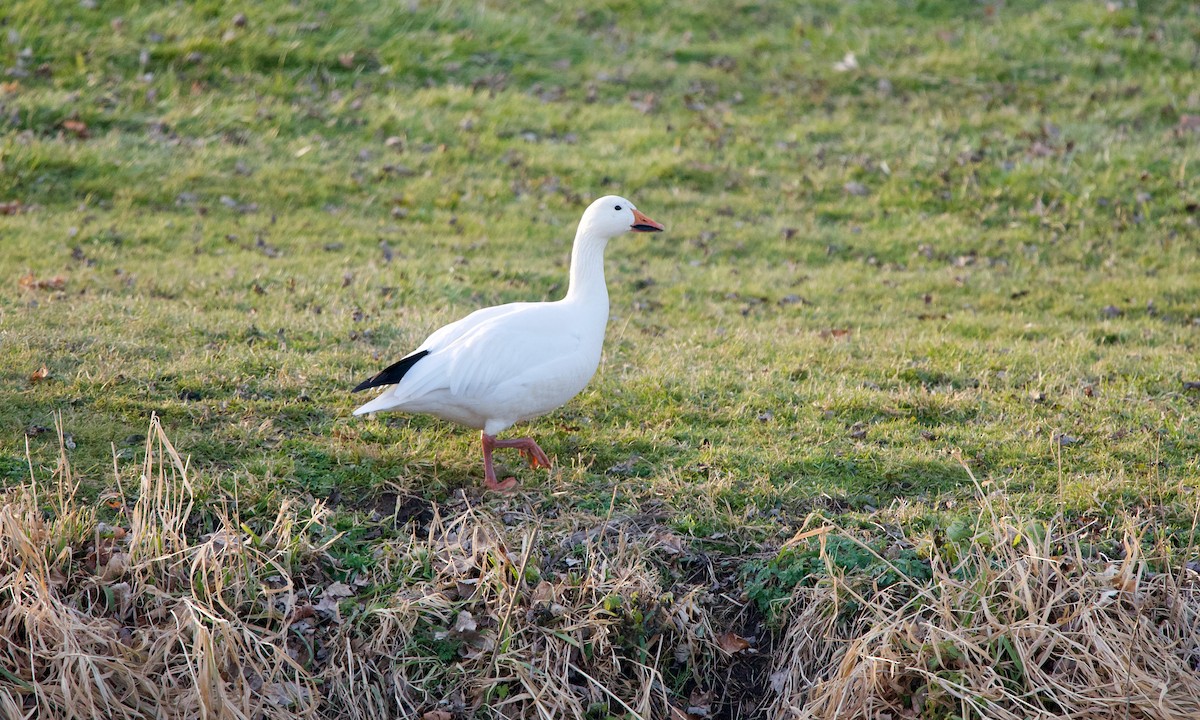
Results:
[386, 401]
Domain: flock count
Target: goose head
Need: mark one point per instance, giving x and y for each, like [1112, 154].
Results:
[613, 215]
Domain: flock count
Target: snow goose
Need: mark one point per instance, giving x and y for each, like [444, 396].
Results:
[504, 364]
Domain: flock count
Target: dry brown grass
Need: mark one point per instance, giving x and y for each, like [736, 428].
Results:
[1019, 622]
[522, 646]
[153, 621]
[177, 613]
[162, 618]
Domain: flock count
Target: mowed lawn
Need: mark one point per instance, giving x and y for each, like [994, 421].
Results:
[920, 258]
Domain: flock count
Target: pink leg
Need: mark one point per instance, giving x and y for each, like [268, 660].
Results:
[526, 446]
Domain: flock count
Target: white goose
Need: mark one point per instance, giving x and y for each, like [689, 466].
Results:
[504, 364]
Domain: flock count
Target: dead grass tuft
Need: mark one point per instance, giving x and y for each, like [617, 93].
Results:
[182, 610]
[153, 621]
[506, 637]
[176, 613]
[1018, 622]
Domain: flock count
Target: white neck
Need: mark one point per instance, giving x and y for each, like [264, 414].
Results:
[587, 270]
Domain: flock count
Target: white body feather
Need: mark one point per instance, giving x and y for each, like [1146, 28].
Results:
[504, 364]
[501, 365]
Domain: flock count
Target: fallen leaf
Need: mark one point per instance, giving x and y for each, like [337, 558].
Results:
[77, 128]
[12, 207]
[30, 282]
[116, 566]
[437, 715]
[329, 606]
[732, 643]
[670, 543]
[346, 60]
[466, 587]
[338, 590]
[700, 703]
[39, 375]
[543, 593]
[465, 623]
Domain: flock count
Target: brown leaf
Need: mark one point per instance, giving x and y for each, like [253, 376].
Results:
[835, 333]
[700, 703]
[30, 282]
[732, 643]
[543, 593]
[346, 60]
[12, 207]
[39, 375]
[466, 587]
[437, 715]
[329, 606]
[78, 128]
[338, 590]
[670, 543]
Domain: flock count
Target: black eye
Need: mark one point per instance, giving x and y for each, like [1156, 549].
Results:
[617, 207]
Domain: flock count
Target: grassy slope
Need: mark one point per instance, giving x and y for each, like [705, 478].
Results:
[1027, 167]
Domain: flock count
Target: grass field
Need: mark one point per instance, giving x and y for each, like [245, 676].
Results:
[929, 292]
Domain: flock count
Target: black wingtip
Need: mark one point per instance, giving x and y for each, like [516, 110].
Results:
[391, 374]
[365, 385]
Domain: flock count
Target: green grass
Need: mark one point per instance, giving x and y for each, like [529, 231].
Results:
[1022, 267]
